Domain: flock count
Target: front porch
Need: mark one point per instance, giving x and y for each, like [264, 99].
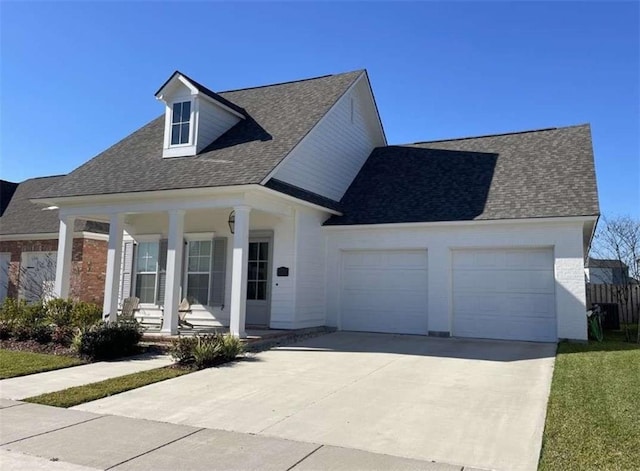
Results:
[231, 259]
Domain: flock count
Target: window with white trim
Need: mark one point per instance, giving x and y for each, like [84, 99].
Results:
[198, 271]
[180, 123]
[146, 271]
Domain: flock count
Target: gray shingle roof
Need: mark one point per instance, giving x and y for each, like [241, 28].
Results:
[279, 117]
[302, 194]
[24, 217]
[605, 263]
[545, 173]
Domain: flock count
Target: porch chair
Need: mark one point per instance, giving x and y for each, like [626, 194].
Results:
[129, 308]
[184, 308]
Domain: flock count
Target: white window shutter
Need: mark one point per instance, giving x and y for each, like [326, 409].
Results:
[218, 272]
[162, 271]
[126, 271]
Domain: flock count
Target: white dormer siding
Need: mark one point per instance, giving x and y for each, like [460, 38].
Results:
[208, 118]
[213, 122]
[328, 159]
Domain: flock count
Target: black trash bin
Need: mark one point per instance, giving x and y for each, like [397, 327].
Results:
[611, 318]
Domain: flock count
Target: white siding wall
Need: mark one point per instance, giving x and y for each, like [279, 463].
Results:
[564, 238]
[331, 155]
[213, 122]
[311, 269]
[283, 287]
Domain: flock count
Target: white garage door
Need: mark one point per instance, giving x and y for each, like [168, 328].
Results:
[504, 294]
[384, 291]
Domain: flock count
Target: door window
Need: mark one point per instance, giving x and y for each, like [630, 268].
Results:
[258, 270]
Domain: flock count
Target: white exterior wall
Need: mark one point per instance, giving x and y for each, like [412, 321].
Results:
[212, 122]
[440, 240]
[327, 160]
[310, 295]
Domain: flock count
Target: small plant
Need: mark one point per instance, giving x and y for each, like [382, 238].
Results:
[62, 335]
[59, 312]
[181, 349]
[230, 346]
[12, 310]
[206, 350]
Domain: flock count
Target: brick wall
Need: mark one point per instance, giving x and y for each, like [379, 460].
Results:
[89, 261]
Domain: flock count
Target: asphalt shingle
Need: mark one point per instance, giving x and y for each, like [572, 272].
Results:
[545, 173]
[279, 117]
[21, 216]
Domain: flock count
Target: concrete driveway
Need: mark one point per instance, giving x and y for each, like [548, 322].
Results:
[467, 402]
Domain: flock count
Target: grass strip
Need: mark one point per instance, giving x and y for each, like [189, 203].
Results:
[593, 416]
[90, 392]
[17, 363]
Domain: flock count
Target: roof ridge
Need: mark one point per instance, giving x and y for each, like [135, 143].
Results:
[511, 133]
[292, 81]
[45, 176]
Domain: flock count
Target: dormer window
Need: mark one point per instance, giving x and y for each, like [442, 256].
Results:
[194, 116]
[180, 123]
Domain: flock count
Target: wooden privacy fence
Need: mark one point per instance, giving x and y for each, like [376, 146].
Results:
[628, 311]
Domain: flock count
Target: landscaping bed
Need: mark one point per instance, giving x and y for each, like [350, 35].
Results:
[19, 363]
[593, 415]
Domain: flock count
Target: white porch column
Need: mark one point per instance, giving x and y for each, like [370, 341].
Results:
[175, 248]
[112, 277]
[63, 262]
[239, 271]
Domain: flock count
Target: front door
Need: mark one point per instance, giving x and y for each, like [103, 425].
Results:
[258, 286]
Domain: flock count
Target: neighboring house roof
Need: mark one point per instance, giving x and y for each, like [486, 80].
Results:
[24, 217]
[7, 189]
[533, 174]
[605, 263]
[279, 116]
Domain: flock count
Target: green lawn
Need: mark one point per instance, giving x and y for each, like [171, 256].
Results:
[15, 363]
[90, 392]
[593, 416]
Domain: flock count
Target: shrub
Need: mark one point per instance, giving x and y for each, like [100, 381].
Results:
[21, 332]
[59, 312]
[108, 340]
[6, 330]
[84, 315]
[32, 315]
[12, 310]
[206, 350]
[41, 333]
[181, 349]
[62, 335]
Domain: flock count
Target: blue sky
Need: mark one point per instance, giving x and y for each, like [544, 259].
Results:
[77, 77]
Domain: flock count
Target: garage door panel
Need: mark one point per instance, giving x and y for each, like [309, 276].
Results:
[510, 329]
[384, 291]
[503, 281]
[517, 305]
[394, 279]
[504, 294]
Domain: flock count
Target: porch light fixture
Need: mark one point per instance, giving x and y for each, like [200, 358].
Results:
[232, 221]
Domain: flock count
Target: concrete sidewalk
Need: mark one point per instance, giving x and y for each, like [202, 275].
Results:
[42, 437]
[56, 380]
